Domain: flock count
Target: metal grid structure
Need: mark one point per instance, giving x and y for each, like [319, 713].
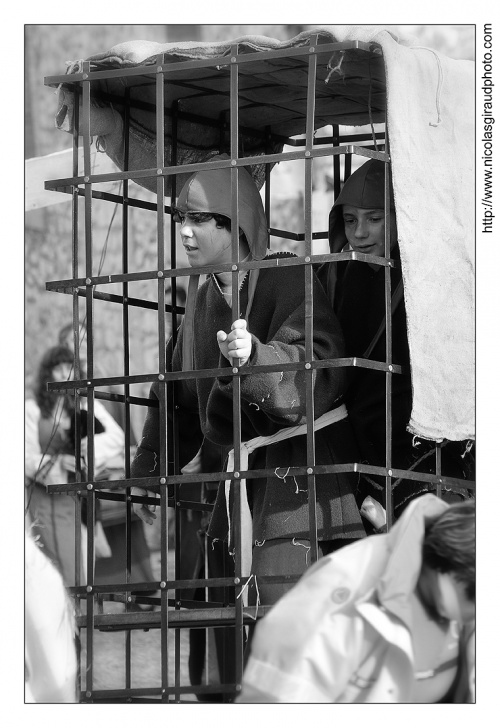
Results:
[175, 613]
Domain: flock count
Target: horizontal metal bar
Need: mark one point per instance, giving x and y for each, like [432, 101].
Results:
[137, 302]
[155, 172]
[218, 617]
[83, 384]
[135, 695]
[150, 483]
[153, 67]
[59, 285]
[112, 397]
[343, 139]
[122, 588]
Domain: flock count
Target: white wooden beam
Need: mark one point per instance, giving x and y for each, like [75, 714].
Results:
[58, 166]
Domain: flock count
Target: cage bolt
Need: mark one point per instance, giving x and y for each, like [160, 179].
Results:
[177, 604]
[238, 688]
[391, 368]
[440, 480]
[309, 471]
[88, 281]
[235, 370]
[129, 599]
[89, 384]
[163, 481]
[85, 76]
[178, 504]
[158, 171]
[78, 492]
[236, 475]
[308, 366]
[161, 377]
[308, 154]
[89, 486]
[234, 267]
[389, 472]
[129, 498]
[312, 49]
[233, 162]
[160, 274]
[86, 179]
[307, 259]
[163, 584]
[233, 59]
[237, 580]
[89, 590]
[88, 694]
[160, 68]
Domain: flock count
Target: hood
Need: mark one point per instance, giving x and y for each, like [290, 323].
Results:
[405, 541]
[210, 191]
[364, 188]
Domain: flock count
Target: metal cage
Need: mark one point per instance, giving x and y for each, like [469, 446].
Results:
[168, 81]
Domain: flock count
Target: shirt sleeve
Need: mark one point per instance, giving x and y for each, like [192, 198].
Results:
[35, 461]
[109, 444]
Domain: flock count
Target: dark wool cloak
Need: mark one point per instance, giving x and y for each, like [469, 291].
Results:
[269, 402]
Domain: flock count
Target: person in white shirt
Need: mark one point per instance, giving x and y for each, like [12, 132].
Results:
[50, 459]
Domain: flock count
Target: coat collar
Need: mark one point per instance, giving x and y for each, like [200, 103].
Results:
[404, 562]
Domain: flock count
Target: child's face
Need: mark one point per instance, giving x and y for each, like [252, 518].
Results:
[204, 242]
[365, 229]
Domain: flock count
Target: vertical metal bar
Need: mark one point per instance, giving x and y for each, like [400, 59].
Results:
[126, 372]
[90, 374]
[388, 349]
[160, 205]
[347, 166]
[175, 425]
[234, 136]
[308, 300]
[439, 487]
[173, 197]
[336, 161]
[173, 318]
[76, 348]
[267, 191]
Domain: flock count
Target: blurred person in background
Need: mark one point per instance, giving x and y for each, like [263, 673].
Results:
[50, 458]
[110, 514]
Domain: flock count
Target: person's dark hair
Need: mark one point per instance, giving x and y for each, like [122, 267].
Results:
[52, 358]
[225, 222]
[450, 544]
[222, 221]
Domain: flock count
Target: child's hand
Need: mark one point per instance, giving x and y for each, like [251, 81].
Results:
[237, 345]
[373, 511]
[145, 512]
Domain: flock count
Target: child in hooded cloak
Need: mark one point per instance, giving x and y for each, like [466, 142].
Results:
[270, 330]
[356, 289]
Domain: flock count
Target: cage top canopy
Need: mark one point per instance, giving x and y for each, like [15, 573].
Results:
[272, 92]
